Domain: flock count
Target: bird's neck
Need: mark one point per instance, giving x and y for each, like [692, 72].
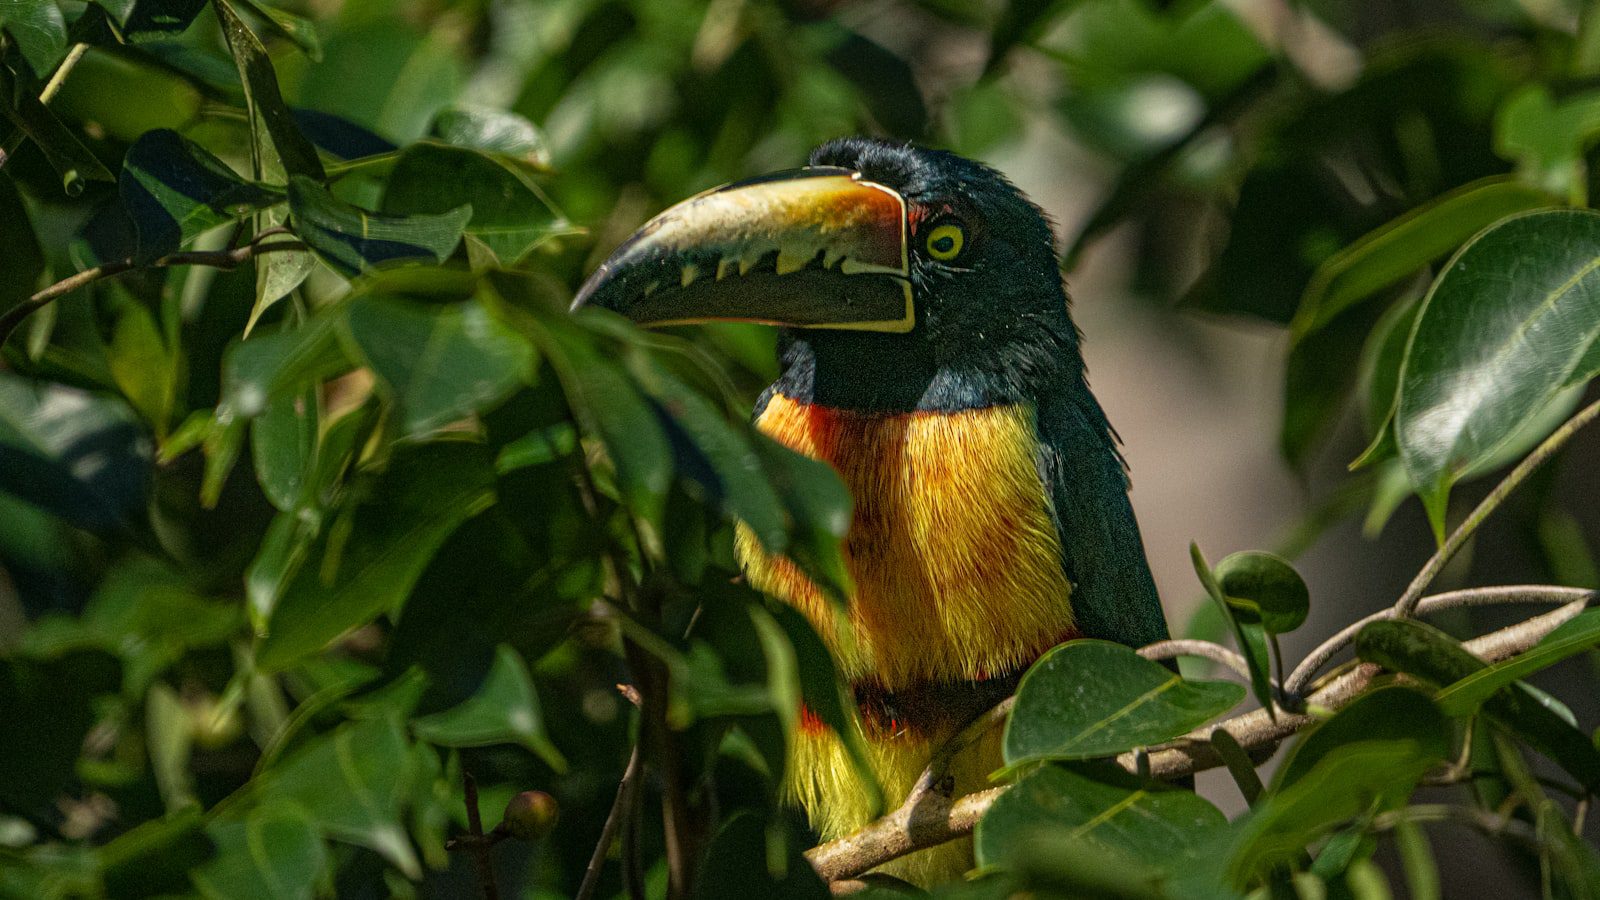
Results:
[886, 373]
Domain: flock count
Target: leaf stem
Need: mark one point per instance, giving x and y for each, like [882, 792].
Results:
[1541, 454]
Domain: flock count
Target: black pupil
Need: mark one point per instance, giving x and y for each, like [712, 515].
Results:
[944, 244]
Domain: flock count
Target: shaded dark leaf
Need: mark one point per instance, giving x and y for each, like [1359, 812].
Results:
[352, 240]
[174, 189]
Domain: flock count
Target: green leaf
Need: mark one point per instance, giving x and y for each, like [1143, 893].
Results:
[154, 19]
[510, 215]
[76, 455]
[1340, 779]
[1267, 586]
[1248, 632]
[1487, 350]
[66, 154]
[278, 273]
[603, 399]
[1405, 645]
[283, 443]
[819, 508]
[266, 366]
[496, 131]
[1388, 255]
[352, 783]
[174, 189]
[1462, 697]
[440, 364]
[25, 261]
[39, 30]
[1104, 809]
[1547, 139]
[353, 240]
[386, 75]
[725, 462]
[277, 144]
[505, 710]
[370, 561]
[276, 853]
[1090, 698]
[1378, 385]
[826, 695]
[1386, 714]
[297, 30]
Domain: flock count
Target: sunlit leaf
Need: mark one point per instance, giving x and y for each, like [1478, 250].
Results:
[494, 130]
[1489, 349]
[1094, 698]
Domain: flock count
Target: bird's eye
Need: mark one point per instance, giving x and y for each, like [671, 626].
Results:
[945, 242]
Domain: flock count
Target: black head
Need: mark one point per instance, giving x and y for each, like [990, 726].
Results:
[907, 278]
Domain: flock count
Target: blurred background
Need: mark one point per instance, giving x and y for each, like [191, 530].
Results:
[1201, 159]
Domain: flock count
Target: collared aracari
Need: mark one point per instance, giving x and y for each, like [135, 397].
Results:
[929, 356]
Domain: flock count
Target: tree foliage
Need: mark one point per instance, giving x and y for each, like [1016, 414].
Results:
[327, 531]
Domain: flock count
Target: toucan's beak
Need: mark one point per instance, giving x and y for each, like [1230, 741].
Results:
[819, 248]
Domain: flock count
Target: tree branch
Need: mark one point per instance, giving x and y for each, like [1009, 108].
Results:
[930, 817]
[217, 259]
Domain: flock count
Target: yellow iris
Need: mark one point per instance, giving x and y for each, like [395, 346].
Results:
[944, 242]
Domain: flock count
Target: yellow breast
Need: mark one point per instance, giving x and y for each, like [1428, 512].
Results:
[956, 562]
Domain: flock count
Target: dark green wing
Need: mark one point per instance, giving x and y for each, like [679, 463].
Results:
[1113, 596]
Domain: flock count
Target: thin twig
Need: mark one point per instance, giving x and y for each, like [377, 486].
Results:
[608, 832]
[1541, 454]
[479, 847]
[1489, 596]
[1217, 653]
[931, 819]
[217, 259]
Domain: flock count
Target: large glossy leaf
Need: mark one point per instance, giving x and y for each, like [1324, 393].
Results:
[1576, 636]
[510, 215]
[1341, 779]
[439, 363]
[504, 710]
[1391, 713]
[1503, 328]
[1094, 698]
[1104, 808]
[371, 561]
[353, 240]
[174, 189]
[39, 30]
[1420, 650]
[353, 784]
[1393, 252]
[276, 853]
